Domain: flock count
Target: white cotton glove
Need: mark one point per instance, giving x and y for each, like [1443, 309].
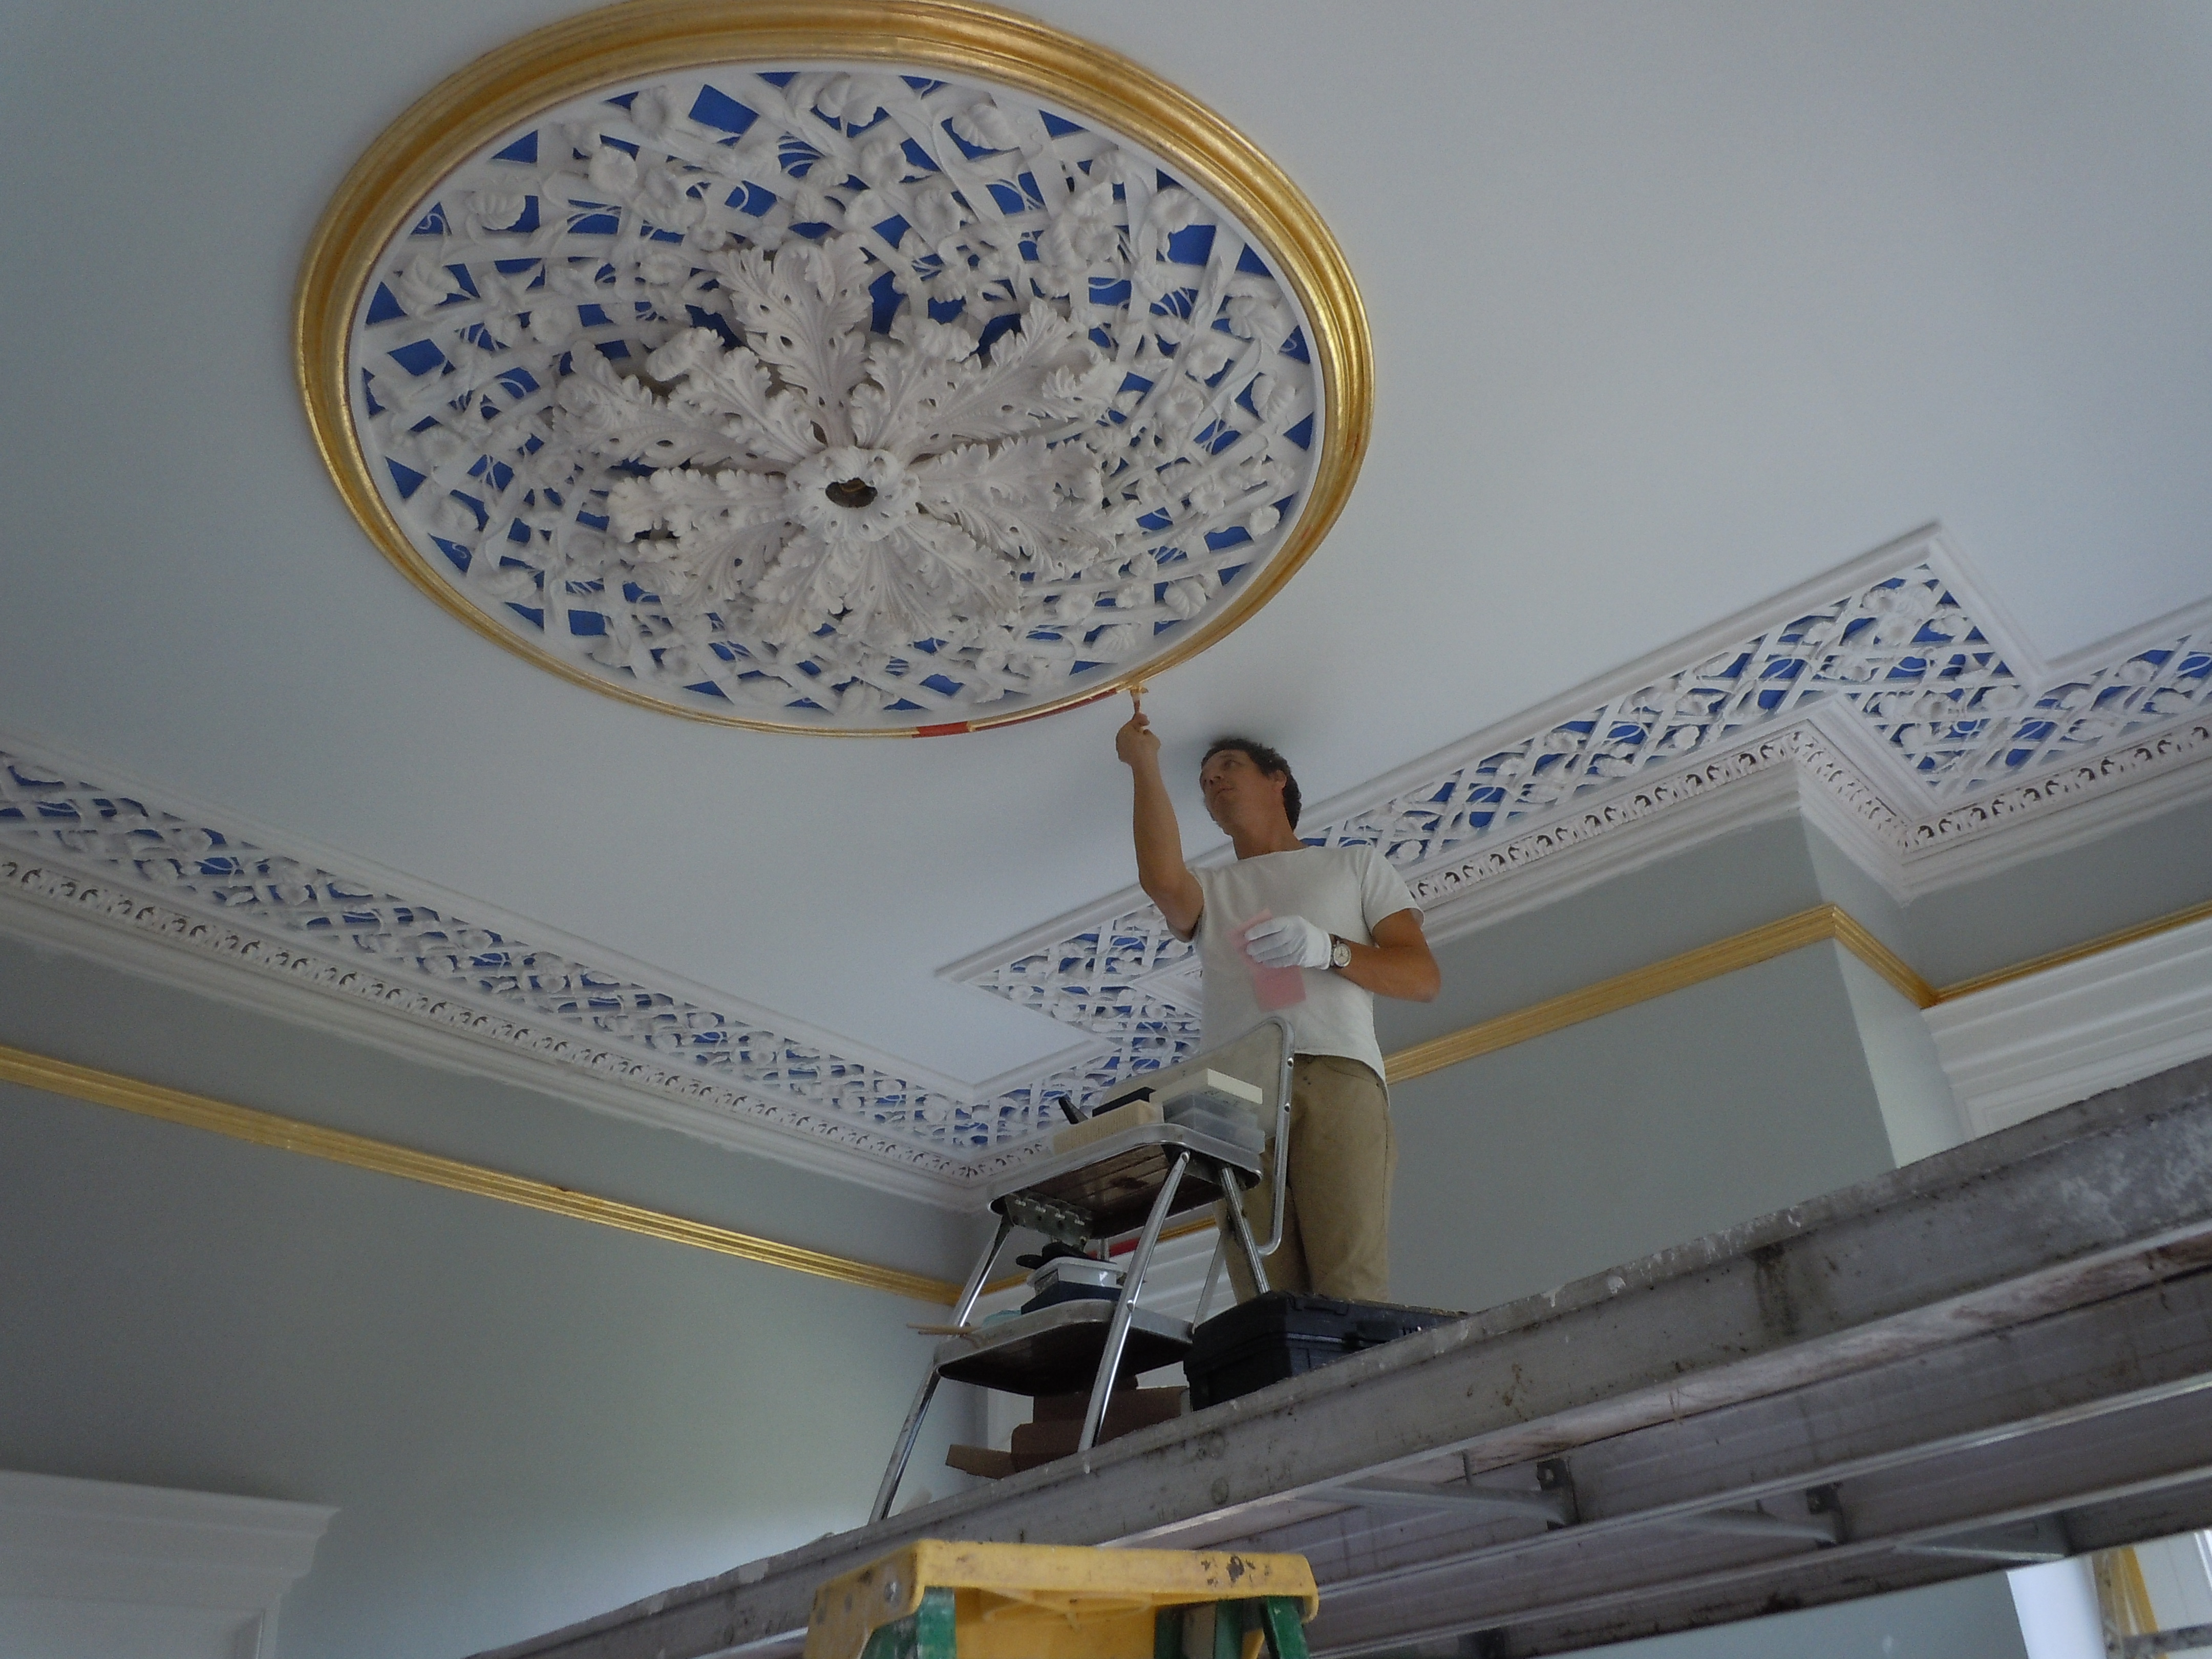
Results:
[1288, 942]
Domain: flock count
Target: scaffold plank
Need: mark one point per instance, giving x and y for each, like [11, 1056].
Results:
[1993, 1355]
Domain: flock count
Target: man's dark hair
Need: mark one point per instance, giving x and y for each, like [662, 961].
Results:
[1269, 762]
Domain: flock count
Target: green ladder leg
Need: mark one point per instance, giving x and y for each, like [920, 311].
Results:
[1275, 1617]
[1285, 1633]
[929, 1632]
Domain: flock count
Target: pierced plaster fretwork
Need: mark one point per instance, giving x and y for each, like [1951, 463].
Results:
[1900, 662]
[1949, 731]
[834, 399]
[81, 847]
[2122, 761]
[1798, 746]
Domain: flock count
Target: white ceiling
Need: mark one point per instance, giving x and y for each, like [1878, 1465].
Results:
[1674, 306]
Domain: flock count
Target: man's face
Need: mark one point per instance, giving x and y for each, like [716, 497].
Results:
[1237, 791]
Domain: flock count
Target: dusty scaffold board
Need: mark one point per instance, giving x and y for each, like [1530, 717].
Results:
[1997, 1355]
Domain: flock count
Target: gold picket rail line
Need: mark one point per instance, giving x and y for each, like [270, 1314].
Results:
[1813, 926]
[1820, 924]
[2097, 946]
[60, 1077]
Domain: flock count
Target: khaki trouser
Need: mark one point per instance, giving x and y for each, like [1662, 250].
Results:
[1336, 1208]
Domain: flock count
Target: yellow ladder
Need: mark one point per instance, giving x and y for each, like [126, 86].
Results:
[934, 1599]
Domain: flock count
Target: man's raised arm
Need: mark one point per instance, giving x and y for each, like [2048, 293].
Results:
[1162, 874]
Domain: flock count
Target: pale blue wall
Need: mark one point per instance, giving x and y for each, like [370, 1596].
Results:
[2063, 899]
[1595, 1144]
[522, 1419]
[1737, 882]
[1610, 1140]
[1555, 1157]
[57, 1004]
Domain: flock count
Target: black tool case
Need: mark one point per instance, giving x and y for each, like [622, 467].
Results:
[1287, 1333]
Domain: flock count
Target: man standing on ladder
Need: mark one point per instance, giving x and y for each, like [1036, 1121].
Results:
[1340, 917]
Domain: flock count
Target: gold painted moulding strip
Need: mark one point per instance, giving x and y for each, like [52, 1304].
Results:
[1821, 923]
[1817, 925]
[2095, 947]
[60, 1077]
[547, 66]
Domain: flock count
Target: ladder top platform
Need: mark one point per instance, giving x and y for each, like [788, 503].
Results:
[1056, 1350]
[1113, 1182]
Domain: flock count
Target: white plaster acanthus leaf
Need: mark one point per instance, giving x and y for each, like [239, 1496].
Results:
[833, 399]
[879, 508]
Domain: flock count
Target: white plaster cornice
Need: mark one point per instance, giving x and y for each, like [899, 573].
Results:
[187, 1573]
[2132, 780]
[1889, 703]
[2031, 1044]
[50, 908]
[1803, 772]
[140, 878]
[1892, 703]
[1785, 774]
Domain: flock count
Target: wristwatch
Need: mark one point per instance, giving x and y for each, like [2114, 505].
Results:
[1340, 952]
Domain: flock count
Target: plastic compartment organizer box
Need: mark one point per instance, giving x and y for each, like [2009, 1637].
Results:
[1207, 1103]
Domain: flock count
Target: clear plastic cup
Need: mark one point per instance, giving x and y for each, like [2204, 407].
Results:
[1272, 988]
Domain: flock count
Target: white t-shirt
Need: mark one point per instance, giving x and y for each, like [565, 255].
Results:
[1344, 890]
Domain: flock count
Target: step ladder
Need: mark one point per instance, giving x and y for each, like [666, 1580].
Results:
[1135, 1181]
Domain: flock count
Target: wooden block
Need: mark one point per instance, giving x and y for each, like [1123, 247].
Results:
[980, 1461]
[1048, 1437]
[1065, 1407]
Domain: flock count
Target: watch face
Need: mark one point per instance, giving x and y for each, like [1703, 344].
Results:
[1340, 954]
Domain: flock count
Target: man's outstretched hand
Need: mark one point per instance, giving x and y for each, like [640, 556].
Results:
[1288, 942]
[1166, 879]
[1136, 743]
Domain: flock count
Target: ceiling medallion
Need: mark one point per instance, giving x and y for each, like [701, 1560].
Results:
[842, 368]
